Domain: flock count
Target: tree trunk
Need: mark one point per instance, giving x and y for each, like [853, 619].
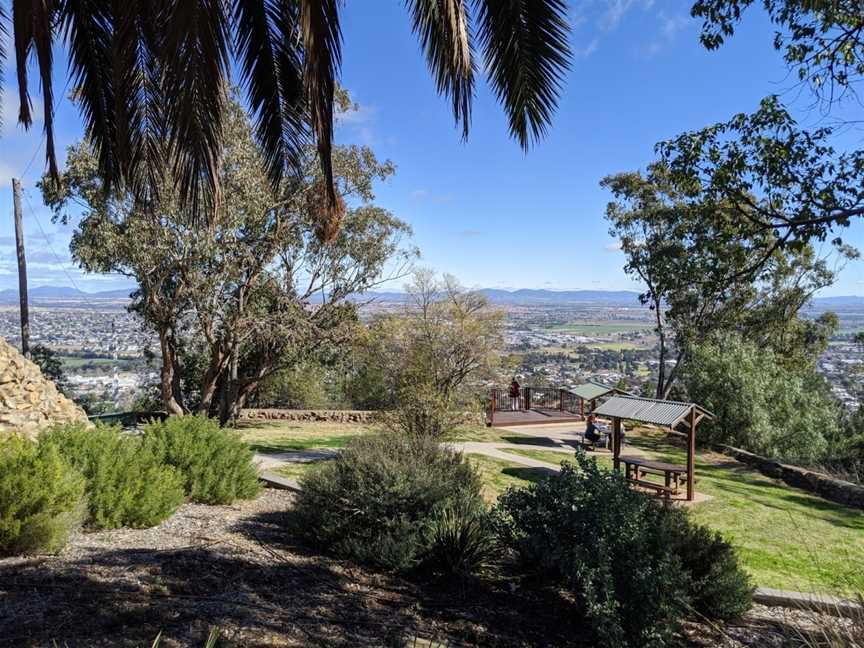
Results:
[210, 382]
[169, 374]
[661, 368]
[673, 375]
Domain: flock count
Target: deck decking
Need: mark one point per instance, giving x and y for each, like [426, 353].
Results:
[533, 417]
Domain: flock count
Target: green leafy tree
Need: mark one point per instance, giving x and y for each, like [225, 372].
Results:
[255, 293]
[764, 167]
[49, 363]
[758, 403]
[693, 258]
[150, 78]
[433, 358]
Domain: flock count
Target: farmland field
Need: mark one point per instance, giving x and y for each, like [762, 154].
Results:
[599, 329]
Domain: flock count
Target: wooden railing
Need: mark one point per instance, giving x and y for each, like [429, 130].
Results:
[536, 398]
[544, 398]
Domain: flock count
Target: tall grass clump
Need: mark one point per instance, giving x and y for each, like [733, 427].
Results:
[397, 502]
[616, 551]
[127, 483]
[216, 466]
[41, 497]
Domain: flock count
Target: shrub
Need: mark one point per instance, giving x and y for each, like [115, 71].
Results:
[587, 530]
[718, 588]
[636, 568]
[127, 484]
[422, 411]
[40, 497]
[461, 541]
[375, 502]
[215, 464]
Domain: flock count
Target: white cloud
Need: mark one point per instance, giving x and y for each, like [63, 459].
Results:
[617, 9]
[670, 26]
[613, 247]
[588, 50]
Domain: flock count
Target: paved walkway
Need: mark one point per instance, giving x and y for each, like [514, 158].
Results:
[562, 438]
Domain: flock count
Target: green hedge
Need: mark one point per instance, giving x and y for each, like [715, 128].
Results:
[215, 464]
[127, 483]
[41, 497]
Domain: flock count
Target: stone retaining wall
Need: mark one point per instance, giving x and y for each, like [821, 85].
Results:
[836, 490]
[28, 400]
[330, 416]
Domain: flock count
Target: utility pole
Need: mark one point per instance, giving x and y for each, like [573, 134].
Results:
[22, 269]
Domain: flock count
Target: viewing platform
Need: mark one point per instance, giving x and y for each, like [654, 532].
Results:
[544, 405]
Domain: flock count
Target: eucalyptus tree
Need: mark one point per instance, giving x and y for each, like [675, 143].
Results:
[793, 184]
[150, 77]
[257, 290]
[695, 260]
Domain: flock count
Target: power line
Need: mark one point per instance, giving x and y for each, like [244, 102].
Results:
[54, 253]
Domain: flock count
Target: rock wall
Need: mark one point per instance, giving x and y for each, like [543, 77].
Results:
[331, 416]
[836, 490]
[28, 400]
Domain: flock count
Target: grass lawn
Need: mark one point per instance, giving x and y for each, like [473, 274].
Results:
[787, 538]
[297, 470]
[281, 436]
[487, 435]
[498, 475]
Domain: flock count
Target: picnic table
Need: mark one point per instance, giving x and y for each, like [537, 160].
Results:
[637, 469]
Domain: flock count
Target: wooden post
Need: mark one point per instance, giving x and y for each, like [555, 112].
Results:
[560, 400]
[691, 453]
[581, 407]
[492, 408]
[527, 398]
[616, 441]
[22, 269]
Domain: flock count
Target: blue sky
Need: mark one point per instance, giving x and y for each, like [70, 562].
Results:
[482, 209]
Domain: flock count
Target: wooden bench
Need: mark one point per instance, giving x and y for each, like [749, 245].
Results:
[636, 469]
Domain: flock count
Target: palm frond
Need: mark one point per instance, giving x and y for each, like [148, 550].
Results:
[445, 36]
[527, 55]
[322, 55]
[33, 22]
[88, 28]
[22, 30]
[266, 33]
[4, 32]
[195, 62]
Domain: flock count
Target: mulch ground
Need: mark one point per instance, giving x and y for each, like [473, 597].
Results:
[235, 568]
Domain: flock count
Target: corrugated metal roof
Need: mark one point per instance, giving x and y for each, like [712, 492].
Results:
[645, 410]
[589, 391]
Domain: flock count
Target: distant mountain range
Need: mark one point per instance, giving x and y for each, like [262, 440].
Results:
[525, 296]
[61, 293]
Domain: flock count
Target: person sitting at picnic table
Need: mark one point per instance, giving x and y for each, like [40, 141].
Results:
[515, 392]
[592, 432]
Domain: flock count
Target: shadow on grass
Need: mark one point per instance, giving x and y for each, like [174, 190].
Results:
[529, 474]
[531, 440]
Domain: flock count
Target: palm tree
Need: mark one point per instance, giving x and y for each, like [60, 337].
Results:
[150, 75]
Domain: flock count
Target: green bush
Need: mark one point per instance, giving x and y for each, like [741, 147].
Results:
[635, 568]
[41, 497]
[127, 484]
[612, 547]
[718, 588]
[215, 464]
[376, 501]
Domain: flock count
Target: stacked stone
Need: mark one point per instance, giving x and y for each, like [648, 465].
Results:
[28, 400]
